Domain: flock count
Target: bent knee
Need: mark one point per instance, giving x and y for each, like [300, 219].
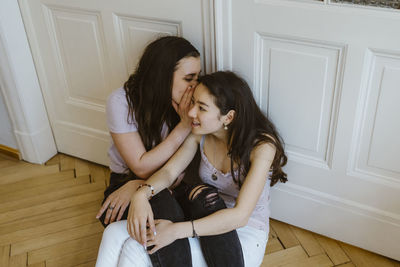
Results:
[206, 194]
[116, 231]
[196, 191]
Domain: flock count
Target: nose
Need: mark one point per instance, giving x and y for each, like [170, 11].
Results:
[192, 112]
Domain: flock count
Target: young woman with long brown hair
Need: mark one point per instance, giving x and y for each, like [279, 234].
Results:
[227, 214]
[147, 119]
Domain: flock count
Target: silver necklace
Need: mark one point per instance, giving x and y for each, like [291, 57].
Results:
[214, 175]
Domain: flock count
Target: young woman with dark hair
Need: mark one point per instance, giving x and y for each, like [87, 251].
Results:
[147, 119]
[227, 215]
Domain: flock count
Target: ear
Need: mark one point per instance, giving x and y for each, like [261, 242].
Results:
[228, 118]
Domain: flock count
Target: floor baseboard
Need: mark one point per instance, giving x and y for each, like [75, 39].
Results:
[11, 152]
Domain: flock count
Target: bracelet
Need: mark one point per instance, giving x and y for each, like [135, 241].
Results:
[194, 234]
[149, 186]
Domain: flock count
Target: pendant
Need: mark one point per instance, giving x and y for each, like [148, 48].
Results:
[214, 176]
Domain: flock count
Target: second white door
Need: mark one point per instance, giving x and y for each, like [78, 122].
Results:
[328, 76]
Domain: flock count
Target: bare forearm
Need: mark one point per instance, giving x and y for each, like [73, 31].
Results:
[152, 160]
[160, 180]
[165, 176]
[220, 222]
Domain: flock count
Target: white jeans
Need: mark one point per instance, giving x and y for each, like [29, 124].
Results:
[118, 249]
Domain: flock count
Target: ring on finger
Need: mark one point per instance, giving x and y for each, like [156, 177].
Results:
[111, 207]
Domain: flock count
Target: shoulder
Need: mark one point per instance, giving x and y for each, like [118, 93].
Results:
[263, 150]
[117, 104]
[117, 111]
[117, 96]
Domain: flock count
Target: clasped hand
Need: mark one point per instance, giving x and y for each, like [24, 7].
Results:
[144, 229]
[165, 235]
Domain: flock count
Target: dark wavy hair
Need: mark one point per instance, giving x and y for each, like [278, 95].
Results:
[249, 127]
[149, 88]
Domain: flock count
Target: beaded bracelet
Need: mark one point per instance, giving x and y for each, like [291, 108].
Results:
[149, 186]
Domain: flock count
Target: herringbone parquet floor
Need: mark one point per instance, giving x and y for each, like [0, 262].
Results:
[47, 219]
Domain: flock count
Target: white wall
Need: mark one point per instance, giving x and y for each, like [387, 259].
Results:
[7, 137]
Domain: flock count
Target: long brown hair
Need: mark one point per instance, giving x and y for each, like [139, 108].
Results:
[149, 88]
[249, 128]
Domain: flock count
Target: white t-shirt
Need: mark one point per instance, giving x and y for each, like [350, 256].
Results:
[117, 113]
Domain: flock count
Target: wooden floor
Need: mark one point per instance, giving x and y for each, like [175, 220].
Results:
[47, 218]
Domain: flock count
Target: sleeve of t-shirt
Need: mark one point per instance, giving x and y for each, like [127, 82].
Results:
[117, 112]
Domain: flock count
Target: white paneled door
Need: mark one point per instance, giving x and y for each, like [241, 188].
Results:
[85, 49]
[328, 75]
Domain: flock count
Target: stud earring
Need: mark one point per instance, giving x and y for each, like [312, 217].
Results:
[225, 127]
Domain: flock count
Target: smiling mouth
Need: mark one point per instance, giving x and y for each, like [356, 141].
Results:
[195, 124]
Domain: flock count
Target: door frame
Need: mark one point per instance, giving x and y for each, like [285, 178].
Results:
[21, 89]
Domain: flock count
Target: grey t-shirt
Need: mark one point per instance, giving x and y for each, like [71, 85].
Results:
[117, 113]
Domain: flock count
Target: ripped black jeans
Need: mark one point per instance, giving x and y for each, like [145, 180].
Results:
[191, 202]
[198, 201]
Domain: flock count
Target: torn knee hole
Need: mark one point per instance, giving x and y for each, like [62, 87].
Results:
[210, 199]
[208, 195]
[196, 191]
